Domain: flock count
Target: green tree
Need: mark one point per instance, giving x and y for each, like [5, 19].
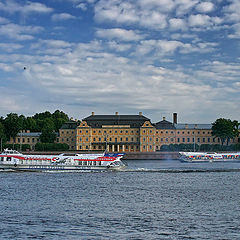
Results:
[12, 124]
[225, 129]
[48, 132]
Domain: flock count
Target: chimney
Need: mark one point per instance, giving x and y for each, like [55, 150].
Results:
[175, 118]
[93, 113]
[164, 118]
[140, 113]
[116, 113]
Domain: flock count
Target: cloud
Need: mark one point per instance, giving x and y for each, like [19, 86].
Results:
[62, 17]
[10, 47]
[119, 34]
[30, 7]
[18, 32]
[3, 20]
[177, 24]
[205, 7]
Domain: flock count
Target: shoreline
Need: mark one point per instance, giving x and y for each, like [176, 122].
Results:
[127, 156]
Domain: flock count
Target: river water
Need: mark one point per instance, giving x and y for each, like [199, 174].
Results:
[150, 200]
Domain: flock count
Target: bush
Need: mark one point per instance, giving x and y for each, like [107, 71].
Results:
[17, 147]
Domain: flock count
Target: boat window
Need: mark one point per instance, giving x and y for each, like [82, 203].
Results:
[94, 163]
[8, 158]
[100, 163]
[85, 163]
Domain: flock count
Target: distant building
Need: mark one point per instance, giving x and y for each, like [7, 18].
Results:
[67, 134]
[125, 133]
[26, 137]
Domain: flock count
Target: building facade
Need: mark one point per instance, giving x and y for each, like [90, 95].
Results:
[125, 133]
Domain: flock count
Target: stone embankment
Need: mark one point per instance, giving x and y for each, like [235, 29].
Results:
[128, 155]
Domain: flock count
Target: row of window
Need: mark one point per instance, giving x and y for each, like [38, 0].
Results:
[28, 140]
[100, 147]
[67, 132]
[121, 139]
[110, 131]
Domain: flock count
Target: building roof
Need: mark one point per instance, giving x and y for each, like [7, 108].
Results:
[193, 126]
[164, 125]
[69, 125]
[29, 134]
[97, 121]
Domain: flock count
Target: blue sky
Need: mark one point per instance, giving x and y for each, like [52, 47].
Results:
[126, 56]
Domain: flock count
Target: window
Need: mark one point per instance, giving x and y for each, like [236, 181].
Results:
[120, 139]
[183, 139]
[208, 139]
[126, 139]
[99, 139]
[178, 139]
[115, 139]
[86, 139]
[115, 131]
[33, 140]
[132, 139]
[188, 139]
[94, 139]
[156, 139]
[198, 140]
[203, 139]
[166, 131]
[86, 147]
[166, 139]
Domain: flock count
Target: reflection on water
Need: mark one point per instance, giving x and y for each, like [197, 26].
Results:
[150, 200]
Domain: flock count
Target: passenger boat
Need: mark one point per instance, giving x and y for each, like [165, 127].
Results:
[14, 160]
[209, 157]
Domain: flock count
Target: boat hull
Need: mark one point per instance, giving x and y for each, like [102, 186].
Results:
[49, 168]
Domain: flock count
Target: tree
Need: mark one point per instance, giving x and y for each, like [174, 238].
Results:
[225, 129]
[48, 132]
[12, 124]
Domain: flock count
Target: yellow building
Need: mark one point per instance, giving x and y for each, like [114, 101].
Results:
[26, 137]
[67, 134]
[125, 133]
[114, 133]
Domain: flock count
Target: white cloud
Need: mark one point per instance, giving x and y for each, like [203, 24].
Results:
[184, 6]
[119, 47]
[118, 33]
[62, 16]
[82, 6]
[18, 32]
[177, 23]
[205, 7]
[3, 20]
[199, 20]
[30, 7]
[10, 47]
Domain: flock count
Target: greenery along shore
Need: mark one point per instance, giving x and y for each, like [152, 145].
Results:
[48, 125]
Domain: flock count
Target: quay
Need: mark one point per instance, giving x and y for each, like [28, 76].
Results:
[127, 156]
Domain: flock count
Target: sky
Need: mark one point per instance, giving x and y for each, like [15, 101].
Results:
[127, 56]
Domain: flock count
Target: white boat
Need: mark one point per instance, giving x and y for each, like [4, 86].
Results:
[14, 160]
[209, 157]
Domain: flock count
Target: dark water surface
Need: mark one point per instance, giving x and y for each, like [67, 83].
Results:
[151, 200]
